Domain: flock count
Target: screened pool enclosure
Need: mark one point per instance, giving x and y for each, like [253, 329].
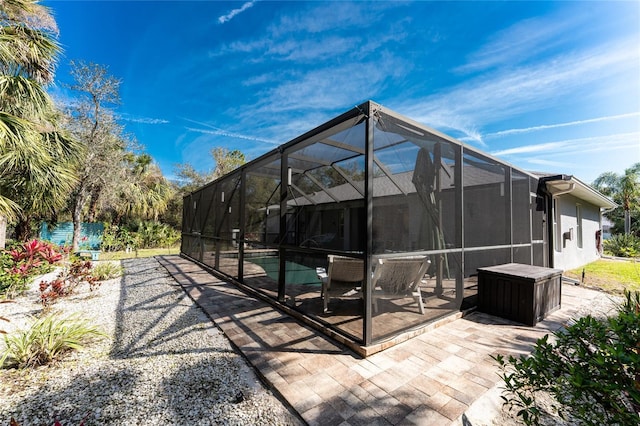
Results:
[369, 227]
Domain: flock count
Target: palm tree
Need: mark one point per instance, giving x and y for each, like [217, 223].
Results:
[624, 189]
[147, 193]
[35, 156]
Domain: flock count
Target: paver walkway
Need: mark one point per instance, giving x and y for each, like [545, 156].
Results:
[431, 379]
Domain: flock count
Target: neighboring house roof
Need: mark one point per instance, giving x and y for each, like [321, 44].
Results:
[397, 184]
[567, 184]
[402, 183]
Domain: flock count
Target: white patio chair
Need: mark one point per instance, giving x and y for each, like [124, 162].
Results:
[399, 278]
[342, 279]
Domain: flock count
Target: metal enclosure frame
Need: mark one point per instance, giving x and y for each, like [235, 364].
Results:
[369, 184]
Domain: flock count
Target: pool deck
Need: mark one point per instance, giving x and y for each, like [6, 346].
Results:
[443, 377]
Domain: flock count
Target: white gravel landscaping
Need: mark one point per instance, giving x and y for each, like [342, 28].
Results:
[164, 362]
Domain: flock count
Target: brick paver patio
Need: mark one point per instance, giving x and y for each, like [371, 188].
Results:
[431, 379]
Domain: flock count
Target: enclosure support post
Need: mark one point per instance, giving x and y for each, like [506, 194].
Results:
[367, 331]
[284, 187]
[240, 237]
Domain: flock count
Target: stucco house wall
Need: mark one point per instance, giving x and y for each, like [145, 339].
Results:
[570, 253]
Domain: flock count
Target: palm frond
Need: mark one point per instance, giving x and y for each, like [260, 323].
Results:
[32, 51]
[22, 96]
[13, 131]
[8, 208]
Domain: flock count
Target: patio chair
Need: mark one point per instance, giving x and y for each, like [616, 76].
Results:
[399, 278]
[342, 279]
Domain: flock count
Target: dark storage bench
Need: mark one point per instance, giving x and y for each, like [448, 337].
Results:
[522, 293]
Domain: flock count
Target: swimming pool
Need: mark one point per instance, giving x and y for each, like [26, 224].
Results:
[295, 273]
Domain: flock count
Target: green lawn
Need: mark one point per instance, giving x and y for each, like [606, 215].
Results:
[613, 276]
[119, 255]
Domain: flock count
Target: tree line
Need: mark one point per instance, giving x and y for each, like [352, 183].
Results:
[624, 189]
[75, 161]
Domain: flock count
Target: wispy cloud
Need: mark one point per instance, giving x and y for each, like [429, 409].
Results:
[528, 149]
[522, 71]
[330, 16]
[522, 41]
[212, 130]
[221, 132]
[590, 144]
[66, 101]
[507, 93]
[558, 125]
[314, 62]
[585, 157]
[295, 37]
[559, 165]
[143, 120]
[229, 16]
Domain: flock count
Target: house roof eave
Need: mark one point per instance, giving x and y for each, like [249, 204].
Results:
[566, 184]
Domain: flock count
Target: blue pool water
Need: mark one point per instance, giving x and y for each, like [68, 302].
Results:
[295, 273]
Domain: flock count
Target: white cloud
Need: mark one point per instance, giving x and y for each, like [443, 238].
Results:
[212, 130]
[559, 165]
[143, 120]
[229, 16]
[522, 41]
[322, 17]
[295, 37]
[528, 149]
[557, 125]
[220, 132]
[582, 145]
[507, 93]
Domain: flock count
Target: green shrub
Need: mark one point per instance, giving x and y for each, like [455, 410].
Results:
[116, 238]
[106, 270]
[622, 245]
[47, 339]
[592, 370]
[139, 234]
[153, 234]
[6, 278]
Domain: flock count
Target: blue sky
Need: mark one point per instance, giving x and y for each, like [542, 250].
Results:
[546, 86]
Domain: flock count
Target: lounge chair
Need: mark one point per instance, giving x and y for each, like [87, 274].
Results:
[399, 278]
[342, 279]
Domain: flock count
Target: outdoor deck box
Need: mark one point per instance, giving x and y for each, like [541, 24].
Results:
[521, 293]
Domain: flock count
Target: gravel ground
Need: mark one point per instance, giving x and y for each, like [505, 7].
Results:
[164, 362]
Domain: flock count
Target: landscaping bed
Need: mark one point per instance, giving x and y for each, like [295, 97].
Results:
[162, 362]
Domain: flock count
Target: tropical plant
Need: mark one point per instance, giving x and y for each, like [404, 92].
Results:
[25, 262]
[6, 278]
[107, 270]
[46, 339]
[226, 160]
[625, 190]
[138, 234]
[145, 193]
[591, 369]
[152, 234]
[117, 238]
[623, 245]
[35, 156]
[67, 281]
